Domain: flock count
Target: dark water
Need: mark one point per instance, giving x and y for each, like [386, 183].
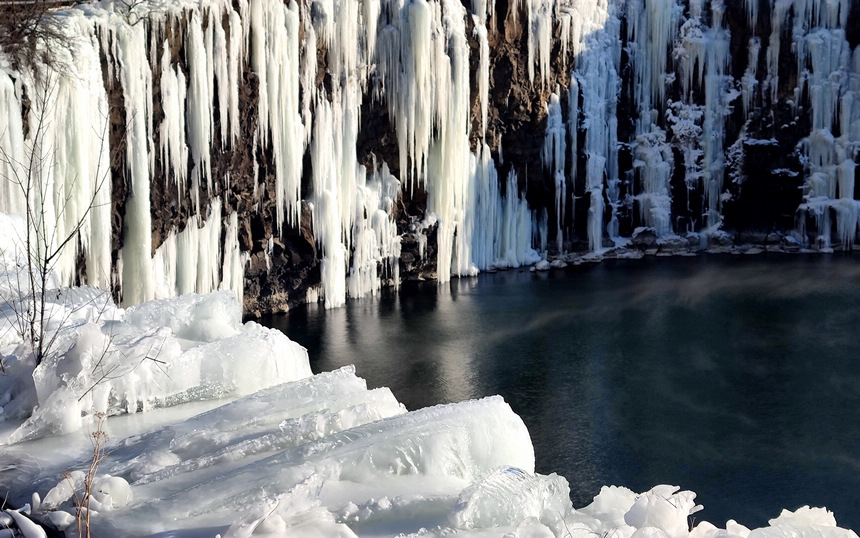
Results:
[735, 377]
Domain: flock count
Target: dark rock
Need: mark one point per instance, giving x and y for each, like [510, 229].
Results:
[643, 238]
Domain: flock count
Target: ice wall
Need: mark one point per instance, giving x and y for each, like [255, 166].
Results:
[640, 129]
[413, 56]
[830, 75]
[49, 172]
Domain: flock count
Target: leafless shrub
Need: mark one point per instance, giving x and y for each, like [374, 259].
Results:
[27, 28]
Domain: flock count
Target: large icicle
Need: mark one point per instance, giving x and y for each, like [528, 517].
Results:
[553, 157]
[199, 108]
[275, 59]
[540, 38]
[128, 46]
[326, 155]
[651, 27]
[12, 148]
[188, 261]
[483, 72]
[596, 76]
[174, 150]
[376, 251]
[718, 96]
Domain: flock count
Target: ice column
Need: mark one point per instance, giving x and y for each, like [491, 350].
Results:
[188, 261]
[233, 270]
[174, 150]
[71, 172]
[449, 194]
[718, 96]
[128, 47]
[517, 230]
[486, 244]
[652, 26]
[326, 155]
[12, 148]
[553, 157]
[596, 76]
[376, 250]
[199, 107]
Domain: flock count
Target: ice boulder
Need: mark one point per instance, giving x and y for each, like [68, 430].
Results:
[607, 510]
[199, 318]
[107, 360]
[804, 522]
[268, 421]
[509, 496]
[435, 451]
[664, 508]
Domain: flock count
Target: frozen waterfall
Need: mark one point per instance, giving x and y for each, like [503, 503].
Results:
[637, 100]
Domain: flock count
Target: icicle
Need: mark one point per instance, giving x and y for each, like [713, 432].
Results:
[779, 14]
[553, 157]
[129, 50]
[308, 73]
[174, 151]
[235, 59]
[220, 54]
[652, 26]
[233, 271]
[752, 13]
[749, 82]
[326, 161]
[12, 149]
[483, 73]
[199, 108]
[596, 77]
[573, 126]
[376, 243]
[540, 37]
[370, 19]
[275, 59]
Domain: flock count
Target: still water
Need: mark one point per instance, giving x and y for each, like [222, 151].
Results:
[735, 377]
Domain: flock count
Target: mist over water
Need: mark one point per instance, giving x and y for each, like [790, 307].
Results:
[735, 377]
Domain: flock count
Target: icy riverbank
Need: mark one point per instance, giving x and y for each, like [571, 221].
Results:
[216, 427]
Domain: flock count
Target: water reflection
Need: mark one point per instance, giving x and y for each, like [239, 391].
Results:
[736, 378]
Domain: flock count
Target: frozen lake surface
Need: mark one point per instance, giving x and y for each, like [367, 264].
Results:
[735, 377]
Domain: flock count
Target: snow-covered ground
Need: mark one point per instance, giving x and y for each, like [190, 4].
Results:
[214, 427]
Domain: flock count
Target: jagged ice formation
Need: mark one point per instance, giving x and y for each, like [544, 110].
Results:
[223, 133]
